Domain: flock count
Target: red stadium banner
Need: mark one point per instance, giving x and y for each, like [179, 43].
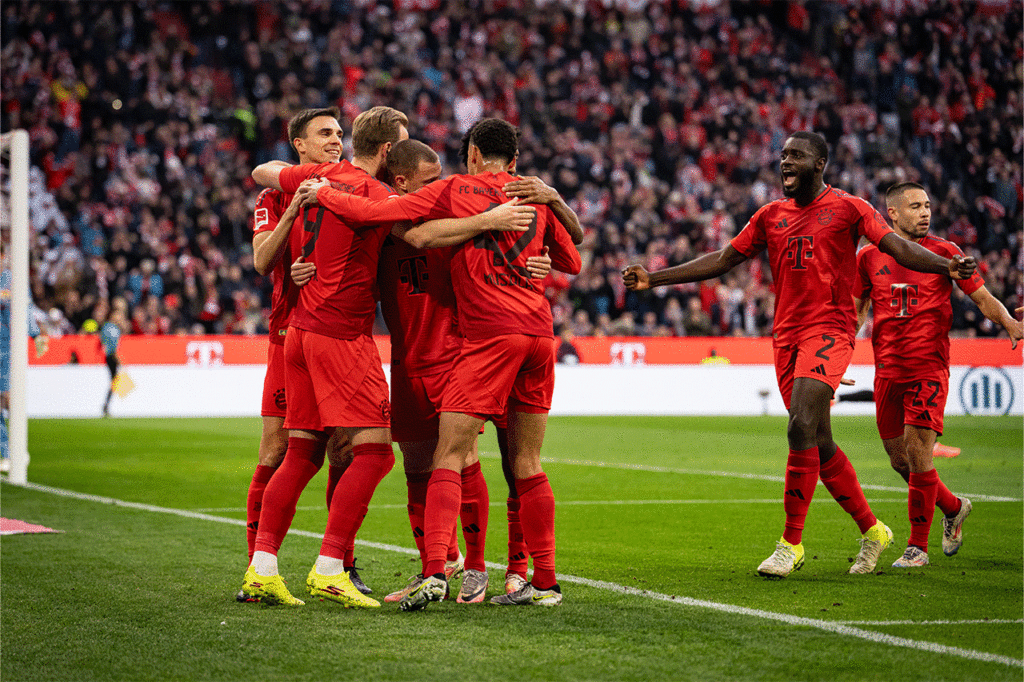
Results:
[213, 351]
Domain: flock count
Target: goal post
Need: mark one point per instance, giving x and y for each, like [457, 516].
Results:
[15, 150]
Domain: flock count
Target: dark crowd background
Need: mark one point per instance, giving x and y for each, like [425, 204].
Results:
[660, 122]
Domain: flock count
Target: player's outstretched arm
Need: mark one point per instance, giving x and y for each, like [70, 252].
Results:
[507, 217]
[269, 174]
[532, 190]
[993, 309]
[709, 265]
[914, 256]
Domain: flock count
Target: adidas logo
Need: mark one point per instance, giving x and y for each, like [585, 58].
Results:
[925, 415]
[471, 528]
[519, 557]
[884, 271]
[918, 519]
[820, 369]
[795, 492]
[417, 532]
[842, 498]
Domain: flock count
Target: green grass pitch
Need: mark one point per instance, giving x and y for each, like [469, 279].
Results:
[661, 523]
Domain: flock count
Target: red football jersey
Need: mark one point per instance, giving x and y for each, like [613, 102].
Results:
[418, 305]
[812, 251]
[911, 309]
[341, 300]
[270, 206]
[493, 290]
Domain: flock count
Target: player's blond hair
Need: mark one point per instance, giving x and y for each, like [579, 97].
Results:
[376, 127]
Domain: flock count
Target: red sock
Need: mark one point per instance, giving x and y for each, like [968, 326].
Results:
[417, 497]
[453, 543]
[947, 502]
[841, 480]
[537, 512]
[473, 513]
[921, 506]
[516, 545]
[444, 495]
[303, 459]
[371, 462]
[334, 475]
[801, 478]
[254, 503]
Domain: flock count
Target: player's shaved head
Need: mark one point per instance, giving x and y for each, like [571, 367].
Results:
[818, 143]
[406, 156]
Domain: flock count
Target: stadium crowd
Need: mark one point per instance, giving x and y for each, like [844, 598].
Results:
[660, 122]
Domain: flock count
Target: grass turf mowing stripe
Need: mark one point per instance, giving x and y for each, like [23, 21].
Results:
[836, 627]
[731, 474]
[976, 621]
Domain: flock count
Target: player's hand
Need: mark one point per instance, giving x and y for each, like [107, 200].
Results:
[42, 345]
[1016, 330]
[306, 193]
[961, 267]
[847, 382]
[539, 266]
[302, 272]
[636, 278]
[532, 190]
[510, 217]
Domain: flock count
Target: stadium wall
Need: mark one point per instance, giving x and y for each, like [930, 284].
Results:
[223, 376]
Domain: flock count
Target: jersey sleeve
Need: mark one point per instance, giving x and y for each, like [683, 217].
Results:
[425, 204]
[972, 283]
[752, 239]
[267, 213]
[870, 222]
[292, 176]
[564, 255]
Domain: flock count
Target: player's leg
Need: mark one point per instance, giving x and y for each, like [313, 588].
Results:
[456, 440]
[800, 479]
[473, 516]
[273, 445]
[112, 365]
[517, 567]
[925, 404]
[339, 457]
[890, 418]
[303, 458]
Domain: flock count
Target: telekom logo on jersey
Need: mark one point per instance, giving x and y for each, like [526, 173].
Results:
[204, 354]
[801, 248]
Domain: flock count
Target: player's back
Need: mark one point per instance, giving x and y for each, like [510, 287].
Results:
[418, 305]
[340, 300]
[494, 291]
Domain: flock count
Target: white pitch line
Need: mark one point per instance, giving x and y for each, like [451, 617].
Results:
[976, 621]
[827, 626]
[732, 474]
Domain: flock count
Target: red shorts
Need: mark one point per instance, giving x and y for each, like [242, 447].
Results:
[273, 384]
[334, 382]
[919, 402]
[509, 370]
[824, 357]
[415, 405]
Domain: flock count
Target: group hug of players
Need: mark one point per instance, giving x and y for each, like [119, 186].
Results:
[456, 265]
